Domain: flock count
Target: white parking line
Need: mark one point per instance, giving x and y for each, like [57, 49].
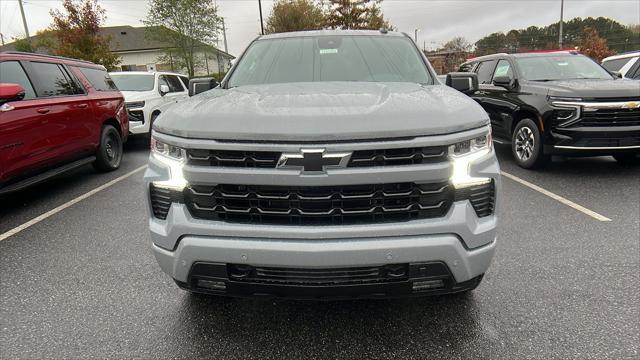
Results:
[56, 210]
[557, 197]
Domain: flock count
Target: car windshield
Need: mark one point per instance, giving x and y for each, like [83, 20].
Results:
[133, 82]
[560, 67]
[331, 58]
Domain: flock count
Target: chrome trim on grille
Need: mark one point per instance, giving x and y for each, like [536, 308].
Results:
[596, 147]
[600, 105]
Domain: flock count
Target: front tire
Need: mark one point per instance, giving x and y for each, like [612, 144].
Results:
[526, 145]
[109, 153]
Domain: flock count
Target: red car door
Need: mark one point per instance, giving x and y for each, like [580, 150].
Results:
[23, 126]
[68, 110]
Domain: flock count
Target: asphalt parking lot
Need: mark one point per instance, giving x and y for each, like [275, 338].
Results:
[82, 282]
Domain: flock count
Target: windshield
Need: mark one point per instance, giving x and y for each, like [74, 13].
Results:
[331, 58]
[133, 82]
[560, 67]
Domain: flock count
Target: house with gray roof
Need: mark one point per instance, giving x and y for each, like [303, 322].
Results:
[139, 53]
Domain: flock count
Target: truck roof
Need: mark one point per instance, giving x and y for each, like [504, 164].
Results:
[380, 32]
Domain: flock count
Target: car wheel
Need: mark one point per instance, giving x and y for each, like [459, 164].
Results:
[627, 159]
[526, 145]
[109, 154]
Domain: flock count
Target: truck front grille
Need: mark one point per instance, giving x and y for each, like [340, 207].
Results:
[331, 205]
[611, 117]
[359, 158]
[390, 157]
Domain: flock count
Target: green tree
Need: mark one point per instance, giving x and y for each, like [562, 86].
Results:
[355, 14]
[23, 44]
[618, 36]
[294, 15]
[190, 26]
[75, 33]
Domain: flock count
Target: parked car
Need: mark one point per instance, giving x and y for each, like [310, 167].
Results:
[560, 103]
[56, 114]
[147, 94]
[627, 64]
[343, 169]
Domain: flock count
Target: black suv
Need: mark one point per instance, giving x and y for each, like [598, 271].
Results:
[559, 103]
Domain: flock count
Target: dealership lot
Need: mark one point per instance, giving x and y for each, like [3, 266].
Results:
[82, 282]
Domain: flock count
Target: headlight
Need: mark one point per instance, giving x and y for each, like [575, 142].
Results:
[567, 110]
[463, 154]
[174, 157]
[134, 104]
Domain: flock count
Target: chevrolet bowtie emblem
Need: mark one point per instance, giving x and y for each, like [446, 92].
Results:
[313, 160]
[631, 105]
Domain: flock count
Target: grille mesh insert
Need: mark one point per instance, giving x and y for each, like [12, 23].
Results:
[333, 205]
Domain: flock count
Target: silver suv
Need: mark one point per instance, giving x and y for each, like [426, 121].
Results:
[327, 164]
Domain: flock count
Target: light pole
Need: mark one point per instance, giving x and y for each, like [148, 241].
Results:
[560, 31]
[261, 24]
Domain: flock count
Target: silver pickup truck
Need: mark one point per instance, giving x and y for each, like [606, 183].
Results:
[327, 164]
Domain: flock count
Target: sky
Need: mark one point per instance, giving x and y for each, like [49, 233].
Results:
[437, 20]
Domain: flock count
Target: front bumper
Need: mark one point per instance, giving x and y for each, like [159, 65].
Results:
[138, 121]
[464, 267]
[590, 141]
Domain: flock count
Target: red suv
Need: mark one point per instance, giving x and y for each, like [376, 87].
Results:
[56, 114]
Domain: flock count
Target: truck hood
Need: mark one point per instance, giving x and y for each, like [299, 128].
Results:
[130, 96]
[322, 111]
[589, 89]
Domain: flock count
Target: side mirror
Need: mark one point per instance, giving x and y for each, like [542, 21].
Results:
[10, 92]
[164, 89]
[465, 82]
[616, 74]
[197, 86]
[504, 81]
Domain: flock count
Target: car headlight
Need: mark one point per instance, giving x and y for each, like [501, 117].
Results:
[174, 157]
[134, 104]
[465, 153]
[567, 110]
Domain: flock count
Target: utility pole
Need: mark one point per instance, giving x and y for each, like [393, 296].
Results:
[24, 21]
[560, 31]
[261, 24]
[415, 35]
[224, 34]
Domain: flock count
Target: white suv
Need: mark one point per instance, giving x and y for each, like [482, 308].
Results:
[627, 64]
[147, 93]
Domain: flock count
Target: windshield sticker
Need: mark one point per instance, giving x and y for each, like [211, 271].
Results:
[328, 51]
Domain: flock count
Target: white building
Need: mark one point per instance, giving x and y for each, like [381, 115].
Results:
[138, 53]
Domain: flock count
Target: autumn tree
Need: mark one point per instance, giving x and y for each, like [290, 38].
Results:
[189, 26]
[456, 52]
[355, 14]
[75, 33]
[593, 45]
[294, 15]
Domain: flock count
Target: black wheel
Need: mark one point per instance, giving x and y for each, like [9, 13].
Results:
[526, 145]
[109, 154]
[627, 159]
